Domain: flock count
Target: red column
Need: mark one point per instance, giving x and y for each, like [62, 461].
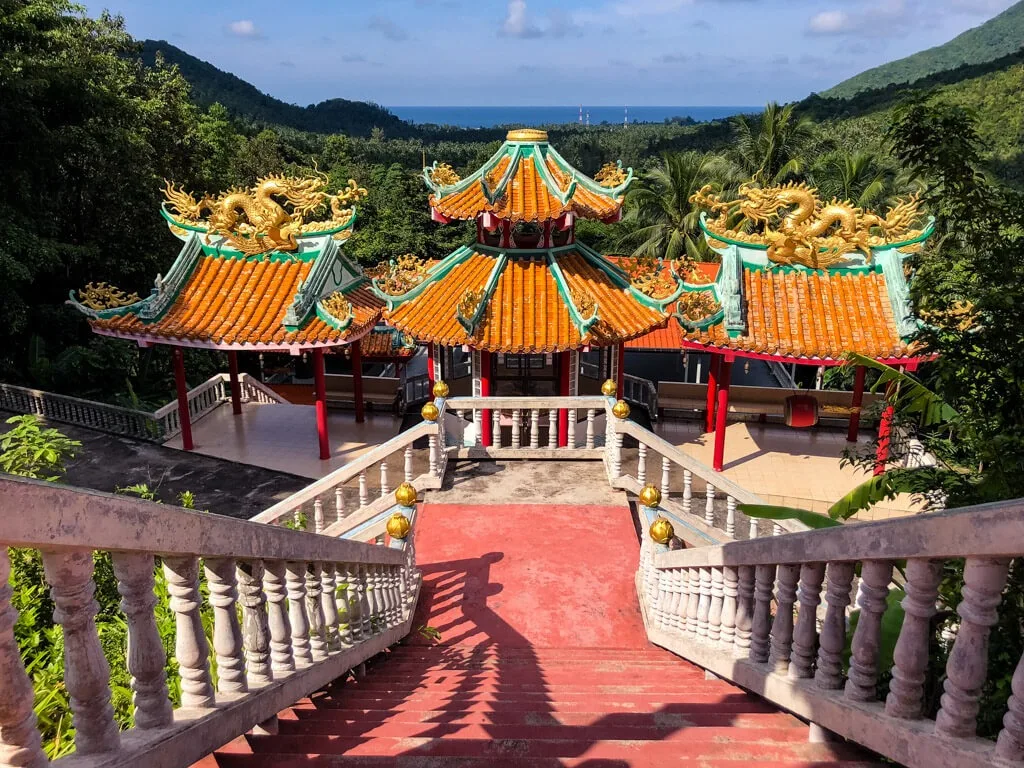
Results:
[563, 389]
[183, 413]
[713, 369]
[236, 386]
[430, 363]
[357, 381]
[320, 387]
[724, 374]
[858, 400]
[884, 436]
[620, 382]
[485, 391]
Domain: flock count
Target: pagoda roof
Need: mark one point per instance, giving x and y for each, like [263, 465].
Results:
[218, 298]
[521, 301]
[527, 180]
[387, 344]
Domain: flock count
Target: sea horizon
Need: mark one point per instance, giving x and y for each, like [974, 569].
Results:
[491, 117]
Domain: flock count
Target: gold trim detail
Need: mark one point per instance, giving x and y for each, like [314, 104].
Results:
[527, 134]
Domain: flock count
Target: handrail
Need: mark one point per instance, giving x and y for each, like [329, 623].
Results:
[525, 403]
[312, 607]
[713, 605]
[529, 417]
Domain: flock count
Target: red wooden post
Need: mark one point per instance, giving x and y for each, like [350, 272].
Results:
[183, 413]
[485, 391]
[357, 381]
[320, 387]
[724, 374]
[430, 363]
[713, 369]
[564, 373]
[858, 400]
[620, 378]
[236, 385]
[884, 436]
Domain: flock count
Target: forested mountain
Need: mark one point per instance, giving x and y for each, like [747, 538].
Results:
[210, 85]
[997, 37]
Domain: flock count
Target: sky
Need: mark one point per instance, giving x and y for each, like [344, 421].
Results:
[549, 52]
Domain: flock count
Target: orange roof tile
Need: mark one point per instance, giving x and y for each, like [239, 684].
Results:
[383, 344]
[232, 302]
[526, 312]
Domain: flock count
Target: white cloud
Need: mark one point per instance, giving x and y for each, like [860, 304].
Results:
[518, 22]
[829, 22]
[244, 28]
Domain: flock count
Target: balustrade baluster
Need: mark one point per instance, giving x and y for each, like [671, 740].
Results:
[384, 488]
[666, 467]
[329, 606]
[408, 476]
[591, 416]
[659, 605]
[318, 515]
[364, 492]
[910, 657]
[255, 622]
[496, 428]
[20, 744]
[364, 588]
[397, 598]
[715, 612]
[776, 530]
[516, 422]
[730, 516]
[478, 438]
[281, 657]
[677, 620]
[805, 635]
[227, 634]
[968, 661]
[190, 648]
[339, 503]
[709, 506]
[693, 601]
[782, 625]
[295, 581]
[552, 428]
[704, 606]
[832, 640]
[1010, 745]
[344, 594]
[616, 455]
[432, 443]
[874, 589]
[764, 587]
[135, 581]
[318, 645]
[687, 491]
[572, 428]
[641, 464]
[744, 608]
[730, 589]
[752, 532]
[534, 428]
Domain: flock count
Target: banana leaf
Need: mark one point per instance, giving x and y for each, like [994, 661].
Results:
[805, 516]
[911, 396]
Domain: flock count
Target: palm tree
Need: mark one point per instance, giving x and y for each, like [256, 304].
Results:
[666, 223]
[859, 177]
[771, 147]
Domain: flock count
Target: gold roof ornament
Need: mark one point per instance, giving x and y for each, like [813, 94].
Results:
[609, 388]
[337, 306]
[405, 494]
[650, 496]
[440, 389]
[100, 296]
[398, 526]
[527, 134]
[444, 175]
[621, 410]
[798, 228]
[611, 175]
[399, 276]
[661, 531]
[429, 412]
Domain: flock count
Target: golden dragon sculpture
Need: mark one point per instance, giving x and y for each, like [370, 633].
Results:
[269, 216]
[798, 228]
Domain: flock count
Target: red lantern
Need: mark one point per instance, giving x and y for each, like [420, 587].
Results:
[801, 411]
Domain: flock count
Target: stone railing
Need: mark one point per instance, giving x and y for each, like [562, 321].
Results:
[365, 486]
[748, 611]
[156, 427]
[312, 608]
[524, 427]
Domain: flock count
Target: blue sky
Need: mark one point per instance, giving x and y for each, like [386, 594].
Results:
[550, 52]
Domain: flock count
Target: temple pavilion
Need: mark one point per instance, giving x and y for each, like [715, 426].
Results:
[525, 294]
[799, 282]
[259, 270]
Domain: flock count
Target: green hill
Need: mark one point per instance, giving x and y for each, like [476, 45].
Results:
[209, 85]
[997, 37]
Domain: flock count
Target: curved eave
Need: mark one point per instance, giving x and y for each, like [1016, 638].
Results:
[731, 352]
[147, 340]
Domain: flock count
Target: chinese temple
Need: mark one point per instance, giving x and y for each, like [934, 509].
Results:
[800, 281]
[259, 270]
[525, 287]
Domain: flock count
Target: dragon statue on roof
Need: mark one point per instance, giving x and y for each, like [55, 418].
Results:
[798, 228]
[269, 216]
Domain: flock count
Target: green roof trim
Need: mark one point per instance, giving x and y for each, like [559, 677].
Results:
[582, 324]
[437, 272]
[469, 324]
[621, 279]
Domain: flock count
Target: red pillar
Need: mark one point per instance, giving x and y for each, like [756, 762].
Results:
[430, 363]
[183, 413]
[858, 401]
[236, 386]
[724, 374]
[320, 385]
[485, 391]
[884, 436]
[357, 381]
[620, 378]
[713, 369]
[563, 389]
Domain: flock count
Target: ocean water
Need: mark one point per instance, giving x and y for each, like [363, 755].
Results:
[489, 117]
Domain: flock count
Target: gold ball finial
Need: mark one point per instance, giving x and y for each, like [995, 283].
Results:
[527, 134]
[440, 389]
[398, 526]
[405, 495]
[662, 531]
[650, 496]
[609, 388]
[429, 412]
[621, 409]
